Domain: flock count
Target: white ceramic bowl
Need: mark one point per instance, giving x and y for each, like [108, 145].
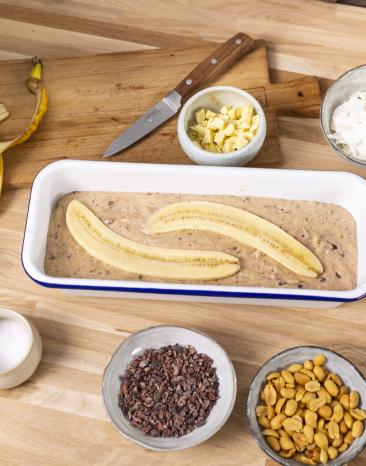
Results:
[350, 82]
[350, 375]
[28, 363]
[214, 98]
[156, 337]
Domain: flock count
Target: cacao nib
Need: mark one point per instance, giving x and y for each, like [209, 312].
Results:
[168, 392]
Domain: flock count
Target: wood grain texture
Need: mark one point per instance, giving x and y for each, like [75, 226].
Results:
[95, 98]
[57, 418]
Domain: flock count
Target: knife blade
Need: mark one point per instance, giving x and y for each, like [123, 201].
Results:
[220, 60]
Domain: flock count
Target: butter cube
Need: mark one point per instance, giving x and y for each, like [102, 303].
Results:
[210, 114]
[219, 137]
[200, 116]
[225, 109]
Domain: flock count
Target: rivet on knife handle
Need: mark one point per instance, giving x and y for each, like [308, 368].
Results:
[221, 59]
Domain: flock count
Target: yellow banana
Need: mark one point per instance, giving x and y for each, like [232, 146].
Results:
[241, 226]
[35, 85]
[113, 249]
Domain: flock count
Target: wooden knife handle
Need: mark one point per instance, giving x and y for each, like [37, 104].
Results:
[221, 59]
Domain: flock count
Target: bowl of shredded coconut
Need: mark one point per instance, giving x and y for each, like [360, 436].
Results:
[343, 115]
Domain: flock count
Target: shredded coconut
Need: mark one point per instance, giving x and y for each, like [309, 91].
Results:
[349, 126]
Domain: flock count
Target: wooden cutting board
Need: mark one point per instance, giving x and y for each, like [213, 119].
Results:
[93, 99]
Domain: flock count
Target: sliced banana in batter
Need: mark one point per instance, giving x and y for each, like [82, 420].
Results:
[242, 226]
[116, 250]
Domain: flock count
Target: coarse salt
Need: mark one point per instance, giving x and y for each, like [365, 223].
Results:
[14, 343]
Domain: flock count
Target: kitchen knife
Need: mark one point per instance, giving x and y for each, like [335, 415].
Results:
[221, 59]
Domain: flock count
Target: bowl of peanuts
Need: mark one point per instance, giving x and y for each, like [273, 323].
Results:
[307, 405]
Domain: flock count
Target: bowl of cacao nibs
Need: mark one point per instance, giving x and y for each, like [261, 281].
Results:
[168, 388]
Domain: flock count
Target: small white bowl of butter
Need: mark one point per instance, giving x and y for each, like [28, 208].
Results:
[20, 349]
[343, 115]
[222, 125]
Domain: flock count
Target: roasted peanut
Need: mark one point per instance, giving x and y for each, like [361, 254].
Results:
[287, 454]
[294, 368]
[323, 456]
[321, 440]
[332, 453]
[336, 379]
[313, 386]
[325, 411]
[343, 447]
[349, 438]
[311, 418]
[354, 400]
[264, 422]
[319, 360]
[300, 393]
[291, 407]
[320, 425]
[337, 413]
[261, 410]
[338, 442]
[292, 424]
[308, 364]
[345, 401]
[357, 429]
[287, 376]
[271, 433]
[276, 422]
[301, 378]
[309, 433]
[348, 419]
[270, 395]
[333, 430]
[308, 373]
[279, 405]
[288, 393]
[286, 443]
[331, 387]
[273, 443]
[343, 427]
[308, 397]
[317, 403]
[358, 413]
[273, 375]
[319, 373]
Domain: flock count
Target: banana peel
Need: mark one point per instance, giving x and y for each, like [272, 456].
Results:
[36, 86]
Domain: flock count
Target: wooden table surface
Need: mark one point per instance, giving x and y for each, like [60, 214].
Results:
[57, 418]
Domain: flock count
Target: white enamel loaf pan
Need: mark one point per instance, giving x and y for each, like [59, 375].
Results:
[59, 178]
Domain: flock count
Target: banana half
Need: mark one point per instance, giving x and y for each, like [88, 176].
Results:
[242, 226]
[113, 249]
